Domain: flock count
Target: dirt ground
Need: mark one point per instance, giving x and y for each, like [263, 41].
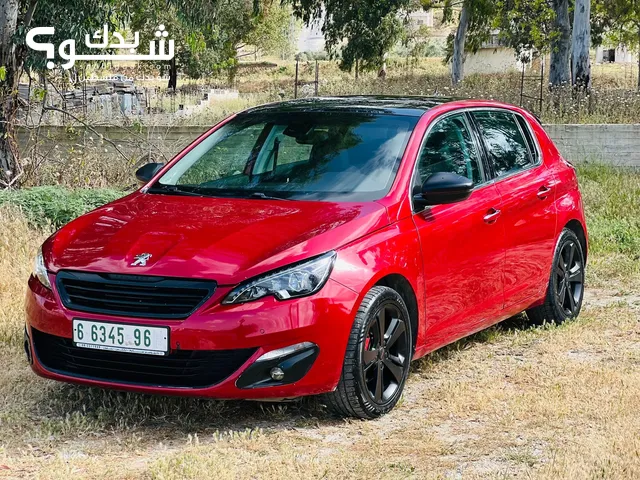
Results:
[513, 401]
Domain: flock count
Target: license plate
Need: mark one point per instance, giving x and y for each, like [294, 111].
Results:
[120, 337]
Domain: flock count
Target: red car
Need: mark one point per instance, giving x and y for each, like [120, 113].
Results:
[313, 247]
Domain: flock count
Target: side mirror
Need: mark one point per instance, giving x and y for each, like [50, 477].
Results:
[146, 172]
[443, 187]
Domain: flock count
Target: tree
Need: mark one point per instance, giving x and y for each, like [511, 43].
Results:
[457, 60]
[368, 29]
[618, 23]
[8, 87]
[270, 32]
[215, 32]
[474, 28]
[199, 49]
[526, 25]
[538, 26]
[560, 45]
[581, 42]
[71, 20]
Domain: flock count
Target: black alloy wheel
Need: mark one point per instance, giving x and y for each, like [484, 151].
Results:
[569, 279]
[377, 359]
[565, 291]
[386, 353]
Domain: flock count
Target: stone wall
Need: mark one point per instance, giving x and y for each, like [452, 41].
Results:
[615, 144]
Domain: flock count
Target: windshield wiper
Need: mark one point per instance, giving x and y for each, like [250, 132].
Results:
[265, 197]
[173, 190]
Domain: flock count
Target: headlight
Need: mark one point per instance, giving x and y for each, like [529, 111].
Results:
[295, 281]
[40, 271]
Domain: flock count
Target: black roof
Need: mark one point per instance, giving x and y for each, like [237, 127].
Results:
[406, 105]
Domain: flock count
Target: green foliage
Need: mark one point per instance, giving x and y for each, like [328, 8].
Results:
[481, 16]
[55, 206]
[369, 27]
[616, 22]
[3, 73]
[417, 43]
[310, 56]
[271, 30]
[208, 35]
[72, 19]
[525, 25]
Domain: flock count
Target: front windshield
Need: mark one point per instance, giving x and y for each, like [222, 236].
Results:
[301, 155]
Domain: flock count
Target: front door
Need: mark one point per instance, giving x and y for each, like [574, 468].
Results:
[462, 243]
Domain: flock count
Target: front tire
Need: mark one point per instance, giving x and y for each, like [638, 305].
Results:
[376, 363]
[565, 291]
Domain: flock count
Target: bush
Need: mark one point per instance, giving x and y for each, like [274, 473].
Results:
[54, 206]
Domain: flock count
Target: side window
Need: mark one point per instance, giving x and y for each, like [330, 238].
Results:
[449, 148]
[528, 135]
[505, 144]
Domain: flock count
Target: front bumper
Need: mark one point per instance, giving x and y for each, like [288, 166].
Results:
[322, 321]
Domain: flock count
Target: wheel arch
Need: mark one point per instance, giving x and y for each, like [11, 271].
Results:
[401, 285]
[576, 227]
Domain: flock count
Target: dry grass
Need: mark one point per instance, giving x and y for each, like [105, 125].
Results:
[548, 402]
[555, 402]
[18, 245]
[614, 98]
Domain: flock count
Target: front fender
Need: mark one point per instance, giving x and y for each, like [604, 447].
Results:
[394, 249]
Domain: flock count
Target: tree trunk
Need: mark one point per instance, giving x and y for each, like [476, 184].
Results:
[581, 41]
[8, 93]
[457, 61]
[561, 45]
[638, 58]
[173, 75]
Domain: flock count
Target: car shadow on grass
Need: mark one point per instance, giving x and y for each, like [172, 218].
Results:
[87, 409]
[518, 322]
[104, 410]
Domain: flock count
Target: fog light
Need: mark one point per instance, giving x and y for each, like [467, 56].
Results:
[276, 374]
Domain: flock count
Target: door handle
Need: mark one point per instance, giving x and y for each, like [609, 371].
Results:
[492, 215]
[543, 192]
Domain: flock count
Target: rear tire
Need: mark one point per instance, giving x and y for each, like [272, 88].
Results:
[565, 291]
[376, 363]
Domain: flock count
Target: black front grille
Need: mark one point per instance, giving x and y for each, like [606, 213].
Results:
[132, 295]
[181, 368]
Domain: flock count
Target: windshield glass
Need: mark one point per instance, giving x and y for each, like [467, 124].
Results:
[302, 155]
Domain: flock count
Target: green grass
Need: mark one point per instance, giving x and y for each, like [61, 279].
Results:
[612, 199]
[612, 204]
[52, 206]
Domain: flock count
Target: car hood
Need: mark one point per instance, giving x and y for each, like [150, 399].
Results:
[227, 240]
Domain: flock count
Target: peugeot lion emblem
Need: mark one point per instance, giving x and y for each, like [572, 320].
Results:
[141, 260]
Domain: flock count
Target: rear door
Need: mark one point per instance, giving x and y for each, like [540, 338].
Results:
[462, 243]
[526, 187]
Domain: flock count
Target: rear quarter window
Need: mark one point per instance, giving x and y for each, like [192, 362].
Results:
[528, 136]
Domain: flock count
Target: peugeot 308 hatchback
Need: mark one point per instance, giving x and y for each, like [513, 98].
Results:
[313, 247]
